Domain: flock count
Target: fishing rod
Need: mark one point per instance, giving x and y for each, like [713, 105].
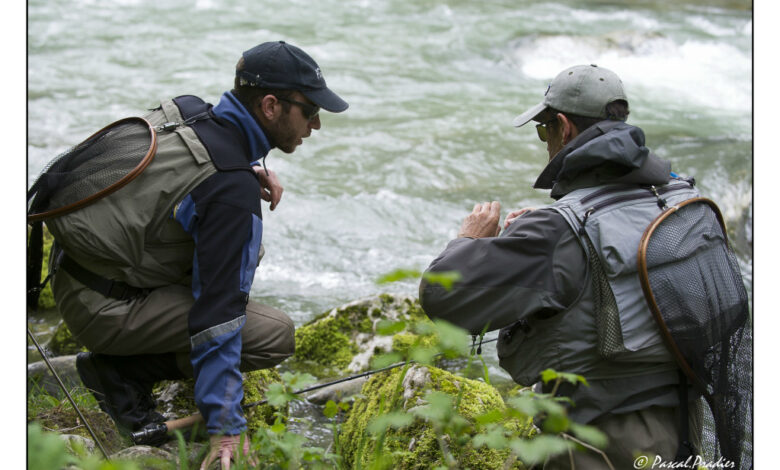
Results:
[155, 432]
[67, 394]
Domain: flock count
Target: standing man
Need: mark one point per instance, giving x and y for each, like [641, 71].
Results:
[561, 281]
[155, 278]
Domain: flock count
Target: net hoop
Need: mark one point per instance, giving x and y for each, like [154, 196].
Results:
[644, 280]
[130, 176]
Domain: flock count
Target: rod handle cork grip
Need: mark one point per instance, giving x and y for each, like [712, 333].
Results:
[185, 422]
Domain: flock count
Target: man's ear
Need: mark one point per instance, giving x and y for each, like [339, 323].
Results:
[267, 109]
[568, 129]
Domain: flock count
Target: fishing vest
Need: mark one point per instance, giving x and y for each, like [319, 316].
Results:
[129, 236]
[609, 332]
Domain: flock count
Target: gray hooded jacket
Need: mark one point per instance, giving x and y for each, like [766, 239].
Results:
[560, 283]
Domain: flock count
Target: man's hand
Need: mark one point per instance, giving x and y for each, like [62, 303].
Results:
[224, 448]
[482, 222]
[271, 189]
[512, 216]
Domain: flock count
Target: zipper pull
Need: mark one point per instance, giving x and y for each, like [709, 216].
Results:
[585, 220]
[661, 201]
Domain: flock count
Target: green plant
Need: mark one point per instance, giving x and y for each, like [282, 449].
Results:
[47, 450]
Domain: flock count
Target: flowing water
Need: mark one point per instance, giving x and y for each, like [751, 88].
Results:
[433, 86]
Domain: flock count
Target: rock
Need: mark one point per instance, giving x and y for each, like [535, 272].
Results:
[39, 375]
[78, 445]
[343, 340]
[175, 399]
[145, 456]
[337, 392]
[417, 442]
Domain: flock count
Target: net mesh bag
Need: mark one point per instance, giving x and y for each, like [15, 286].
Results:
[694, 287]
[91, 170]
[100, 165]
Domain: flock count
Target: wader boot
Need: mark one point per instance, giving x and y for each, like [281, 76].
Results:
[122, 385]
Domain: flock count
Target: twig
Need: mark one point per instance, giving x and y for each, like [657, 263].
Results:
[588, 446]
[63, 430]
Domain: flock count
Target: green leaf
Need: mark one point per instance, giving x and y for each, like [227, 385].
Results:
[389, 327]
[445, 279]
[278, 427]
[533, 451]
[423, 355]
[398, 275]
[548, 374]
[298, 380]
[555, 423]
[494, 439]
[589, 434]
[551, 374]
[453, 340]
[331, 409]
[277, 395]
[44, 449]
[550, 406]
[525, 404]
[439, 408]
[395, 420]
[489, 417]
[381, 361]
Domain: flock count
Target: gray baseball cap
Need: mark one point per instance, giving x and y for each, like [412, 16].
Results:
[584, 90]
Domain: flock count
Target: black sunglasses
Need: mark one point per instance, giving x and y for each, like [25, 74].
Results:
[310, 111]
[541, 129]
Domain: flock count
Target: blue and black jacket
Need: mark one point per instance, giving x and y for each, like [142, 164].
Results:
[224, 218]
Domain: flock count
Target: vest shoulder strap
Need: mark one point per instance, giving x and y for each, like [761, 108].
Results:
[226, 146]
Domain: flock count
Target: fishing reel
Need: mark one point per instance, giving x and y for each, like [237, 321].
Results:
[153, 434]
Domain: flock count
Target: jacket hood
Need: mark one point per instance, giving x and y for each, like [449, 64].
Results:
[607, 152]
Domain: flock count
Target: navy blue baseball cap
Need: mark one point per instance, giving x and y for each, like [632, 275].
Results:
[283, 66]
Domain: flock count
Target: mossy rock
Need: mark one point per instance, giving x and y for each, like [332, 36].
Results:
[255, 385]
[343, 340]
[175, 399]
[62, 342]
[59, 416]
[416, 446]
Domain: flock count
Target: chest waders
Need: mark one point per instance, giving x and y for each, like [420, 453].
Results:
[159, 159]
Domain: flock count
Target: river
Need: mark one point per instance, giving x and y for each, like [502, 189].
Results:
[433, 87]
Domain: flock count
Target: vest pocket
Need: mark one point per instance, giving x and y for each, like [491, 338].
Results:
[528, 346]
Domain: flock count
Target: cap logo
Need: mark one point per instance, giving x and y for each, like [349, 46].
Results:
[319, 73]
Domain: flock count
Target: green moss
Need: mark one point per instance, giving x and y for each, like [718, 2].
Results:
[404, 341]
[63, 343]
[255, 385]
[416, 446]
[327, 345]
[56, 414]
[323, 343]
